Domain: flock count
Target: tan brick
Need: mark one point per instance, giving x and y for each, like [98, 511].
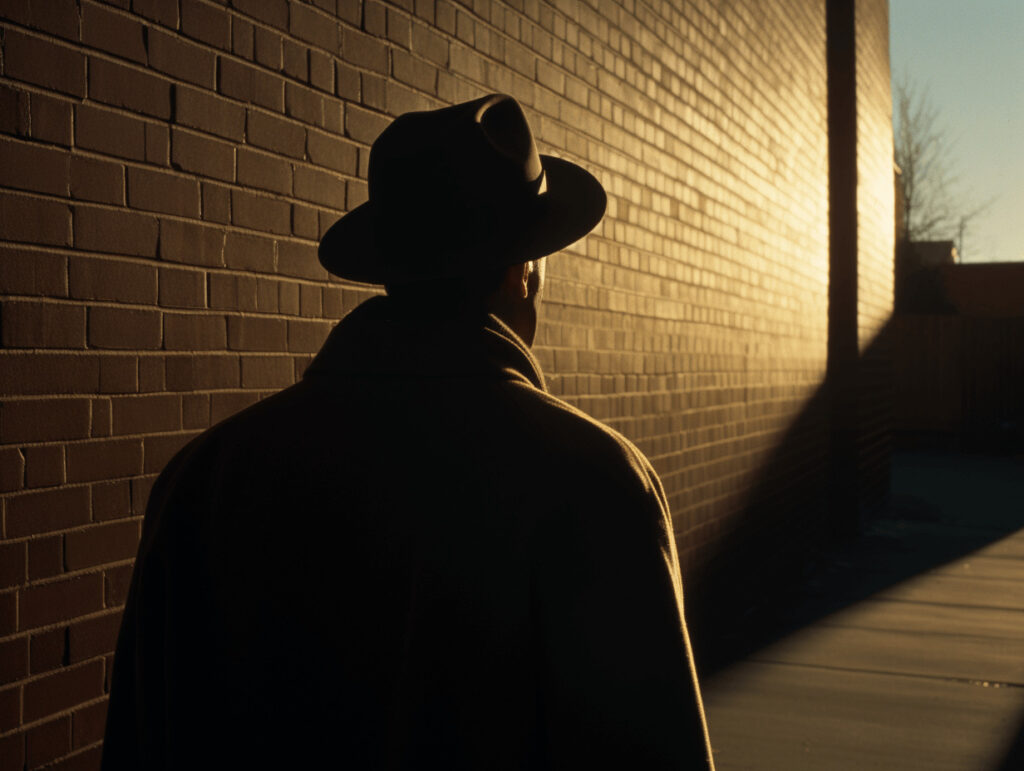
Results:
[113, 32]
[264, 171]
[58, 17]
[299, 259]
[160, 11]
[115, 230]
[251, 84]
[305, 221]
[276, 134]
[191, 243]
[413, 71]
[182, 288]
[242, 37]
[103, 459]
[207, 23]
[124, 328]
[29, 166]
[194, 332]
[120, 85]
[96, 180]
[203, 372]
[260, 213]
[110, 133]
[224, 404]
[272, 12]
[233, 292]
[158, 144]
[307, 336]
[252, 333]
[304, 104]
[363, 125]
[42, 325]
[347, 83]
[207, 112]
[321, 71]
[34, 220]
[216, 203]
[363, 50]
[324, 188]
[95, 278]
[160, 191]
[182, 59]
[295, 60]
[44, 63]
[267, 372]
[245, 251]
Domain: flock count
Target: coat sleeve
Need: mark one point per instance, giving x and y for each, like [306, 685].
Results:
[619, 686]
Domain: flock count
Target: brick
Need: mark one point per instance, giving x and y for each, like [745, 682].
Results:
[252, 333]
[267, 371]
[111, 500]
[194, 332]
[347, 83]
[59, 17]
[414, 72]
[42, 63]
[13, 661]
[364, 51]
[216, 203]
[195, 411]
[31, 272]
[230, 291]
[251, 84]
[47, 742]
[42, 325]
[272, 12]
[62, 600]
[304, 104]
[158, 144]
[43, 420]
[375, 92]
[249, 252]
[206, 112]
[191, 243]
[95, 278]
[116, 231]
[159, 450]
[12, 469]
[13, 564]
[10, 700]
[362, 125]
[97, 180]
[260, 213]
[51, 119]
[103, 459]
[29, 166]
[299, 259]
[110, 133]
[146, 414]
[113, 32]
[63, 690]
[47, 650]
[34, 220]
[307, 336]
[160, 11]
[182, 288]
[124, 328]
[288, 298]
[44, 466]
[264, 171]
[225, 404]
[206, 23]
[314, 27]
[276, 134]
[199, 372]
[305, 221]
[295, 60]
[120, 85]
[15, 111]
[118, 374]
[430, 45]
[202, 155]
[151, 374]
[266, 295]
[267, 48]
[116, 582]
[321, 71]
[242, 37]
[101, 414]
[99, 545]
[89, 722]
[50, 373]
[319, 187]
[182, 59]
[163, 192]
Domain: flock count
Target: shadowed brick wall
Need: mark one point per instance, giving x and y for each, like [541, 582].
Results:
[167, 167]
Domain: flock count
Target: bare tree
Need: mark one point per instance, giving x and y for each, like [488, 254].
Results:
[932, 209]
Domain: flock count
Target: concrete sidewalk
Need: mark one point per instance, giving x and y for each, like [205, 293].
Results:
[907, 651]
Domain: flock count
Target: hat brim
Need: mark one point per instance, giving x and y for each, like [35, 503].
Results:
[573, 204]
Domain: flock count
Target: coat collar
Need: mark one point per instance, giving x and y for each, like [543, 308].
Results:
[379, 338]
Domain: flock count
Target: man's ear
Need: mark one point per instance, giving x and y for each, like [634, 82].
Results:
[516, 282]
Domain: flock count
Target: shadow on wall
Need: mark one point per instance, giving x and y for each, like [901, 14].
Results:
[792, 556]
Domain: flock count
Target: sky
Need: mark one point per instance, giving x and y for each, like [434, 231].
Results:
[968, 56]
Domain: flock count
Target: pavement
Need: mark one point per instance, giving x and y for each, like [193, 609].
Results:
[905, 650]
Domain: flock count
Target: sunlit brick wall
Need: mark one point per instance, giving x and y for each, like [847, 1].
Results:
[167, 167]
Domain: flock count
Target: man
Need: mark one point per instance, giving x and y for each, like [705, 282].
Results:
[416, 557]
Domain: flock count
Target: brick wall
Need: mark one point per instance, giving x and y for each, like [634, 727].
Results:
[167, 167]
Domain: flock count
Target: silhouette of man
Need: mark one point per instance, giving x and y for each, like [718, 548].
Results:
[416, 557]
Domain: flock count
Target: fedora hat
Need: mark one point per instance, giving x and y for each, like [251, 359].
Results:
[459, 190]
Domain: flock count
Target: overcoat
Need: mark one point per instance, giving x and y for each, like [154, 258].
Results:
[413, 558]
